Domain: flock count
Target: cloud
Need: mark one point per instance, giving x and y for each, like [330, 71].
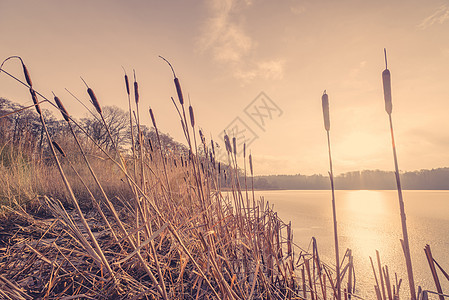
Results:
[225, 38]
[354, 78]
[354, 72]
[440, 16]
[297, 10]
[273, 69]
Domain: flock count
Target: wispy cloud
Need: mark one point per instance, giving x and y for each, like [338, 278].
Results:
[297, 9]
[440, 16]
[225, 38]
[355, 78]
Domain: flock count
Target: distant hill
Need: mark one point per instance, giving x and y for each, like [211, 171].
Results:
[435, 179]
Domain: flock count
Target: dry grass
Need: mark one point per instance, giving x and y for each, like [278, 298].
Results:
[144, 226]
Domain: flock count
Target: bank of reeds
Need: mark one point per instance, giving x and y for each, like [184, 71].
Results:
[169, 231]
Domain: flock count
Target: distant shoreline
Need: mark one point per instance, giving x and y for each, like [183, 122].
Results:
[434, 179]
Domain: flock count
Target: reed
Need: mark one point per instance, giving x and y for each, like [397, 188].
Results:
[26, 74]
[93, 98]
[386, 80]
[61, 107]
[95, 250]
[193, 238]
[326, 116]
[133, 150]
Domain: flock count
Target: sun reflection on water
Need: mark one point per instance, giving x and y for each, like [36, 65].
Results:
[370, 224]
[365, 214]
[366, 203]
[370, 221]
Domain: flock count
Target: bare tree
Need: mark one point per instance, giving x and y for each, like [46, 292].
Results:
[118, 124]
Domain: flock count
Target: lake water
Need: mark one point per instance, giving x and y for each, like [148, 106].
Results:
[370, 221]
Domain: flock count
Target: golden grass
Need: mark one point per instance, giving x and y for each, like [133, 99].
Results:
[142, 226]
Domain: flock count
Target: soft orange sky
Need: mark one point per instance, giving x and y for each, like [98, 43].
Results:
[227, 52]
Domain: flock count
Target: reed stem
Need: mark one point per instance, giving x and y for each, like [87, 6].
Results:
[334, 217]
[406, 245]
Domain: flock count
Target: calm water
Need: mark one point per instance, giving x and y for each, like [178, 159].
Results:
[370, 221]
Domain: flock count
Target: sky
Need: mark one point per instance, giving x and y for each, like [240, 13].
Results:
[256, 69]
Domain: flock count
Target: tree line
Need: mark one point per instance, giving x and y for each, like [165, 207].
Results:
[23, 132]
[434, 179]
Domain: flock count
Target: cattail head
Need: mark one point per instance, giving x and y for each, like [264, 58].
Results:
[387, 90]
[27, 75]
[325, 102]
[212, 146]
[179, 91]
[36, 103]
[227, 143]
[178, 86]
[136, 92]
[56, 145]
[192, 117]
[136, 89]
[251, 164]
[64, 112]
[152, 118]
[386, 80]
[94, 100]
[127, 84]
[219, 168]
[203, 139]
[234, 142]
[244, 150]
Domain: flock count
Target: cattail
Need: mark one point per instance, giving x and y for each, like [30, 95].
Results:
[58, 148]
[213, 148]
[251, 164]
[203, 140]
[192, 117]
[179, 91]
[136, 89]
[177, 85]
[227, 143]
[127, 84]
[93, 98]
[64, 112]
[152, 118]
[234, 142]
[36, 103]
[219, 168]
[405, 242]
[327, 126]
[244, 150]
[325, 102]
[386, 80]
[27, 75]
